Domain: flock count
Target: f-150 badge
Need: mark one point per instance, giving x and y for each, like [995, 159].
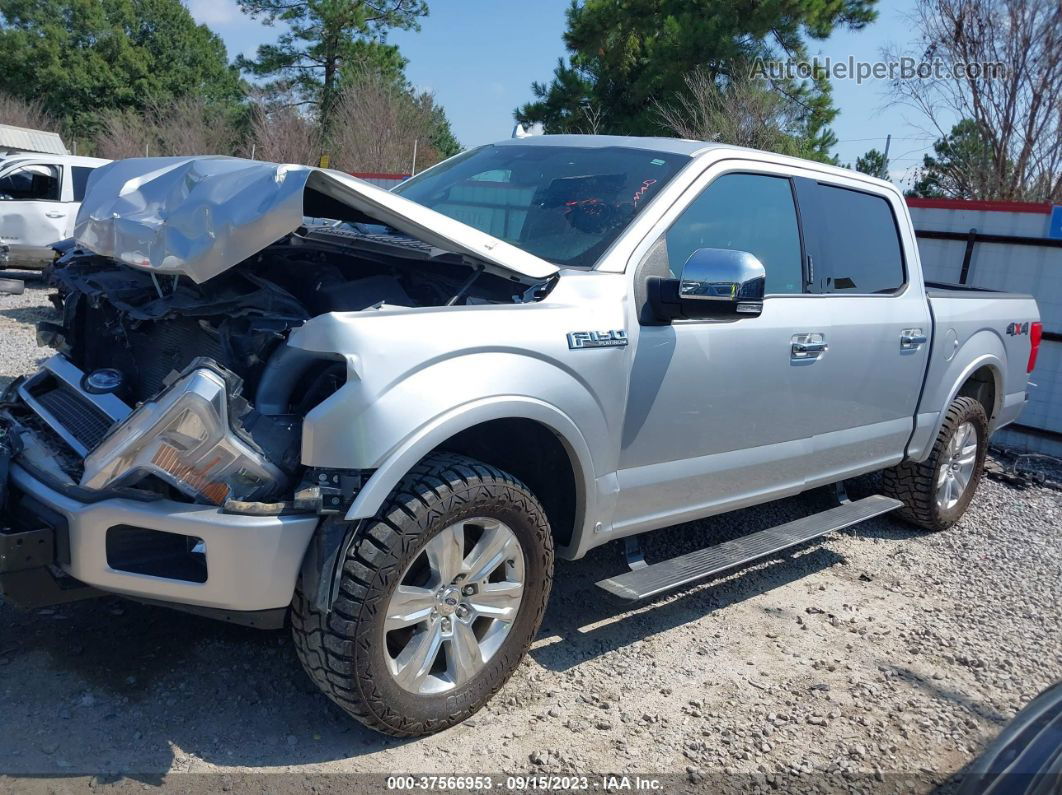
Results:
[616, 338]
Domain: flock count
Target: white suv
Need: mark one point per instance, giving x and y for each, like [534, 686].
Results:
[39, 198]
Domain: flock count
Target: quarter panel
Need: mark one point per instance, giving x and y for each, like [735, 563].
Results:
[967, 336]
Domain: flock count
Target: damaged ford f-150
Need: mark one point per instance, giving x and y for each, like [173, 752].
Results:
[282, 394]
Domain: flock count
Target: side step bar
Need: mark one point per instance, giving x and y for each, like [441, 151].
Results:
[649, 581]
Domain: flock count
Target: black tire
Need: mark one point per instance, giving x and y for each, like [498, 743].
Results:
[915, 483]
[12, 287]
[343, 652]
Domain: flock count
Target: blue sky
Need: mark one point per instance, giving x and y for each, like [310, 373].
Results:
[480, 57]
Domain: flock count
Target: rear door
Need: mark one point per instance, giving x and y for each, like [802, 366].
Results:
[32, 210]
[873, 313]
[78, 182]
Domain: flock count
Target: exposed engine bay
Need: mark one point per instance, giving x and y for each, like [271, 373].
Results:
[168, 387]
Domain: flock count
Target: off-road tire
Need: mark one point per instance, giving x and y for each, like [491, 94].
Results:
[914, 483]
[343, 650]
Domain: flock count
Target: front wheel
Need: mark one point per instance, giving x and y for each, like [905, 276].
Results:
[440, 596]
[937, 491]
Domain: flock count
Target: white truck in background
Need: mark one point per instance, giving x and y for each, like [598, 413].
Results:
[39, 198]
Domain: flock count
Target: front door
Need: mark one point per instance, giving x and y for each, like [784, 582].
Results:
[32, 213]
[719, 413]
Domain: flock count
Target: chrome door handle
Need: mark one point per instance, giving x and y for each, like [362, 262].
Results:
[808, 346]
[912, 338]
[54, 214]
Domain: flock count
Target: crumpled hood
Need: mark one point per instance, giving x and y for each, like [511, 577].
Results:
[199, 216]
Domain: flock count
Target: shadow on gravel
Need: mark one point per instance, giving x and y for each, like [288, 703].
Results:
[579, 613]
[111, 686]
[108, 685]
[572, 616]
[29, 314]
[940, 693]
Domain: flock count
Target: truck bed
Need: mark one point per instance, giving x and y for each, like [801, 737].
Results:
[949, 290]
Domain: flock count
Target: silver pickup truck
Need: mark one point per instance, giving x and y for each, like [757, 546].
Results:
[282, 394]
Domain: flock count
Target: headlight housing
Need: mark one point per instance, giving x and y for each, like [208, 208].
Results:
[184, 437]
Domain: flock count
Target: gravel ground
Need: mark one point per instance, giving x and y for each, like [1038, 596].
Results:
[19, 314]
[882, 659]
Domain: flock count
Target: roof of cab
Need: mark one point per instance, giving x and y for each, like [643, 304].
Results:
[678, 146]
[692, 149]
[35, 157]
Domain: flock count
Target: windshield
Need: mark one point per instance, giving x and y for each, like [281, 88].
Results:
[563, 204]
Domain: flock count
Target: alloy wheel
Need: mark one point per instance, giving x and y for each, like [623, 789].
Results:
[957, 466]
[454, 606]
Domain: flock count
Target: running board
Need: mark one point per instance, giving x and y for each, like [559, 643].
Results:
[648, 581]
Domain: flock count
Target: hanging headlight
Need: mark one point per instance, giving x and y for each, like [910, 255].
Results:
[184, 437]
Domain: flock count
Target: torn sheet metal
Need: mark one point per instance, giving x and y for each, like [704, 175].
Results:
[199, 216]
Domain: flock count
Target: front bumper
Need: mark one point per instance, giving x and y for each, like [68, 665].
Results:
[251, 562]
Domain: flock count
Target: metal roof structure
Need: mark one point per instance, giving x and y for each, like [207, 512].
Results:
[25, 140]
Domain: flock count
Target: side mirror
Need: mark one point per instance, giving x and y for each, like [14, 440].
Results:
[715, 283]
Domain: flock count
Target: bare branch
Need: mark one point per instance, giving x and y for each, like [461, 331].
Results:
[376, 122]
[20, 113]
[1019, 114]
[742, 110]
[283, 134]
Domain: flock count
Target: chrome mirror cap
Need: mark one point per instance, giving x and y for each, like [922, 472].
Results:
[716, 283]
[723, 275]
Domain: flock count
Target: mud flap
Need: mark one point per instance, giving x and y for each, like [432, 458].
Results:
[322, 565]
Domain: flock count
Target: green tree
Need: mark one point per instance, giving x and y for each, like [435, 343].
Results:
[962, 166]
[325, 38]
[873, 163]
[83, 58]
[442, 138]
[627, 55]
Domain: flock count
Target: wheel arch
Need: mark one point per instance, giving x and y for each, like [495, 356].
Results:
[541, 429]
[980, 378]
[984, 386]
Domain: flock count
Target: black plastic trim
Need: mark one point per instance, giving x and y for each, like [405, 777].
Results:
[271, 619]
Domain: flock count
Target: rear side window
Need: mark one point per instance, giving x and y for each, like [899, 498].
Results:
[80, 178]
[855, 243]
[743, 212]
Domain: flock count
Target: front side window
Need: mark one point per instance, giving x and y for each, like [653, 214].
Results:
[563, 204]
[37, 182]
[856, 245]
[743, 212]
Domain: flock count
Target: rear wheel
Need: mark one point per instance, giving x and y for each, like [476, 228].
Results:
[937, 491]
[440, 597]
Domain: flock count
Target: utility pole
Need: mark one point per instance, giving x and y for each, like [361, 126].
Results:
[413, 169]
[888, 141]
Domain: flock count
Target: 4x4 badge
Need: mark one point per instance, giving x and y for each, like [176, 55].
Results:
[1018, 328]
[615, 338]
